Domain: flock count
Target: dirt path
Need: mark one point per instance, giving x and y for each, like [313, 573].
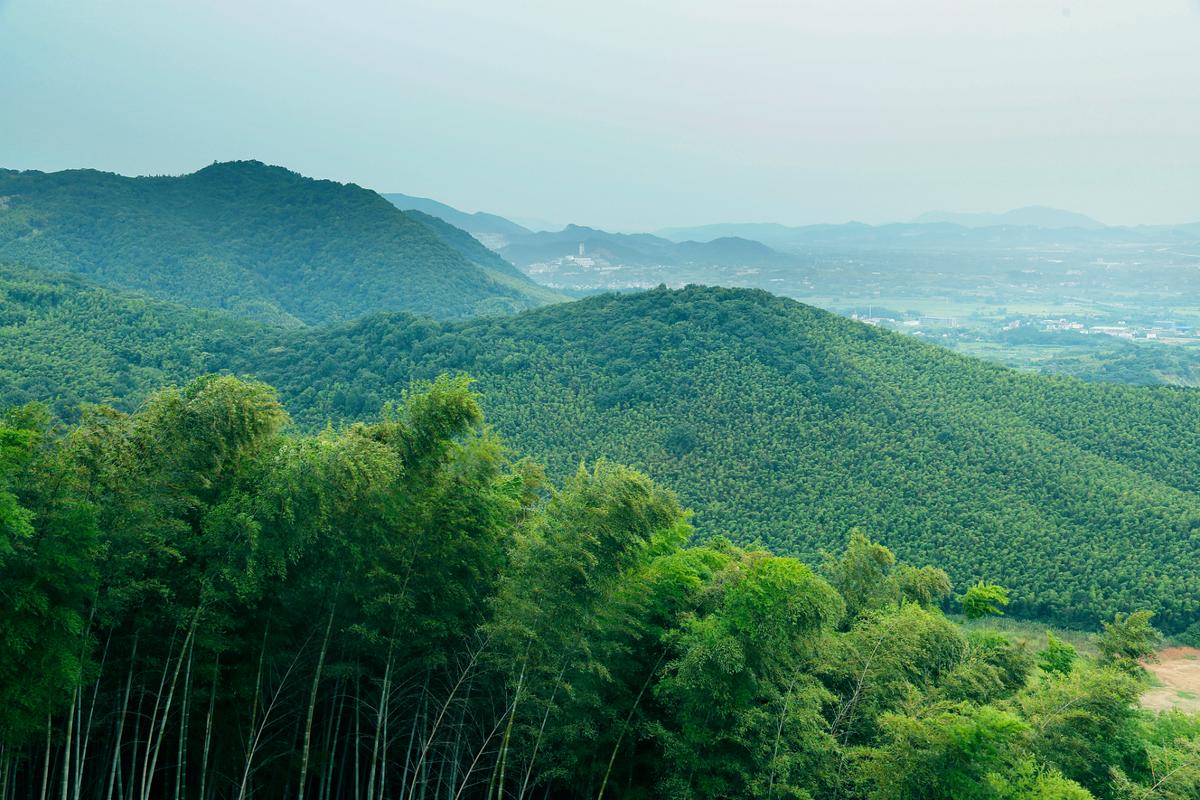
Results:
[1178, 669]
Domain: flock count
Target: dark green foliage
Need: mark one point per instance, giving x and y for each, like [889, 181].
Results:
[203, 602]
[774, 421]
[258, 241]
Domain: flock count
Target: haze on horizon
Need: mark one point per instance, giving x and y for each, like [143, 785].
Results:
[629, 117]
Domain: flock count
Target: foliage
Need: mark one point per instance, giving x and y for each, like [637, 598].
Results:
[257, 241]
[984, 600]
[775, 422]
[1129, 637]
[1058, 656]
[202, 601]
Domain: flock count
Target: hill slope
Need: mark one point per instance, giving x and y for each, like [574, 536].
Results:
[255, 240]
[488, 227]
[780, 422]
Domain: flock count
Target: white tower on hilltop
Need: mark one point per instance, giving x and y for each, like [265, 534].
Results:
[581, 250]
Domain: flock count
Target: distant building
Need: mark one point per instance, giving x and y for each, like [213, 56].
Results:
[943, 322]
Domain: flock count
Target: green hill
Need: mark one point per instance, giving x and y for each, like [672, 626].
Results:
[255, 240]
[773, 420]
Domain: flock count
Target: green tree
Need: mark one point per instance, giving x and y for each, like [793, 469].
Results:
[862, 574]
[983, 600]
[1058, 656]
[943, 751]
[926, 586]
[1129, 638]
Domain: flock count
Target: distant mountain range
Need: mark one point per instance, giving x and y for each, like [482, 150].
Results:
[494, 231]
[762, 244]
[1031, 216]
[918, 235]
[637, 249]
[262, 242]
[525, 248]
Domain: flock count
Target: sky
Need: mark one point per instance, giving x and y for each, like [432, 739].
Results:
[631, 115]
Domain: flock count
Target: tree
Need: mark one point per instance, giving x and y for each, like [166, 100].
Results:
[1084, 724]
[862, 574]
[1129, 638]
[984, 599]
[1058, 656]
[926, 586]
[943, 752]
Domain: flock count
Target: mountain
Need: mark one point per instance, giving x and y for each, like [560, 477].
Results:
[758, 231]
[774, 421]
[934, 234]
[636, 249]
[259, 241]
[492, 230]
[1032, 216]
[492, 262]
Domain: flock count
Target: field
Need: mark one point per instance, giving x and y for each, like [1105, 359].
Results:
[1178, 672]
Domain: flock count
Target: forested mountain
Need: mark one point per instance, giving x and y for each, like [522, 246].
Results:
[488, 227]
[258, 241]
[200, 603]
[467, 245]
[774, 421]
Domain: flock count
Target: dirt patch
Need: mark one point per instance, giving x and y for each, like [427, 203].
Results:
[1178, 670]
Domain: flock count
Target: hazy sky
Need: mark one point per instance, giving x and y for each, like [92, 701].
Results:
[631, 115]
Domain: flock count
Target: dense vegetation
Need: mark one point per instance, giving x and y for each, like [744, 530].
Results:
[776, 422]
[202, 602]
[787, 425]
[258, 241]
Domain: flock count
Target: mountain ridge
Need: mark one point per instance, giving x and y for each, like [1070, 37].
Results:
[256, 240]
[1031, 216]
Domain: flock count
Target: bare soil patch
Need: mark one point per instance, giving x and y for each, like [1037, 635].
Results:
[1178, 669]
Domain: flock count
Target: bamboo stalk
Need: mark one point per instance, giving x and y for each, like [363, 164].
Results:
[112, 776]
[167, 708]
[312, 705]
[208, 725]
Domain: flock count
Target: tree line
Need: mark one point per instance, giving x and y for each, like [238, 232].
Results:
[204, 601]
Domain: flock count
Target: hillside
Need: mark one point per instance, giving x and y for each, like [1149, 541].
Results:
[65, 341]
[775, 422]
[258, 241]
[490, 228]
[466, 244]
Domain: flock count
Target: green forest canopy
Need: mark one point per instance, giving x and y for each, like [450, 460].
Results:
[776, 422]
[258, 241]
[203, 602]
